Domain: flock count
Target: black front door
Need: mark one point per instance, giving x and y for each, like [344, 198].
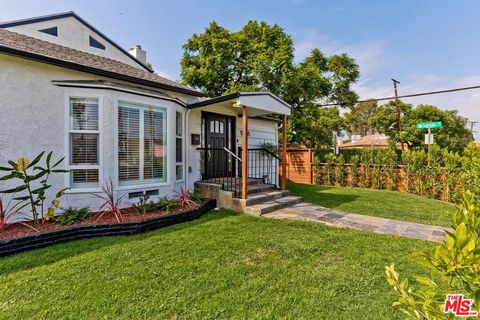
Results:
[218, 135]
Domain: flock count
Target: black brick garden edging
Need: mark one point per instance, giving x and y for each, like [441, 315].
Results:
[44, 239]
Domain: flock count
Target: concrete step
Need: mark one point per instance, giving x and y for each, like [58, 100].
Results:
[259, 188]
[259, 198]
[272, 205]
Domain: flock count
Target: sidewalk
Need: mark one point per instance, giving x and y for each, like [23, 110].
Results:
[315, 213]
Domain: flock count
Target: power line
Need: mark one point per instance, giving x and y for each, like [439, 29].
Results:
[410, 95]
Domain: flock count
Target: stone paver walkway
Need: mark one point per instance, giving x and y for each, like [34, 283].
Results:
[311, 212]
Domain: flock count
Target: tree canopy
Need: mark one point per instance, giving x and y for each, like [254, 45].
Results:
[260, 57]
[453, 134]
[359, 118]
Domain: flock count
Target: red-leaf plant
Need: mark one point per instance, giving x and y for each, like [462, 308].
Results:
[184, 199]
[111, 204]
[8, 211]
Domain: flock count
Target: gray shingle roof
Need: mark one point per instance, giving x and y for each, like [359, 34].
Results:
[19, 44]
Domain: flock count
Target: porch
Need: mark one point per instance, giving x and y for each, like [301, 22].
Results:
[239, 159]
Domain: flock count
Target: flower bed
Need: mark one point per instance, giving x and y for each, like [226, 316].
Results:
[17, 237]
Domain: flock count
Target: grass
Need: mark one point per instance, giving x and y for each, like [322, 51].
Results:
[386, 204]
[223, 265]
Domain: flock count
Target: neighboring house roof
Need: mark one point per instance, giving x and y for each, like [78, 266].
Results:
[39, 50]
[72, 14]
[371, 140]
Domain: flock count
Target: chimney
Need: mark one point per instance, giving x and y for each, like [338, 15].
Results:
[139, 54]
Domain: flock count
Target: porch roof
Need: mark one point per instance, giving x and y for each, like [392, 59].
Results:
[258, 103]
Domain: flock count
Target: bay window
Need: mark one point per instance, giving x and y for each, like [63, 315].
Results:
[178, 146]
[142, 145]
[84, 142]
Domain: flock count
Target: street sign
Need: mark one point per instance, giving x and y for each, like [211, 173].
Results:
[429, 125]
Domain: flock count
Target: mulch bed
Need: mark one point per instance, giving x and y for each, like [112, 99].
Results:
[17, 230]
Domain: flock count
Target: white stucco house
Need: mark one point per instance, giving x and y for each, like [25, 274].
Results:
[68, 88]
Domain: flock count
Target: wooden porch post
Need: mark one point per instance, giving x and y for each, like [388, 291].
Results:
[244, 151]
[284, 152]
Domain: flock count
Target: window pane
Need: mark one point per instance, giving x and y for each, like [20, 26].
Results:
[221, 127]
[212, 126]
[179, 172]
[128, 144]
[84, 148]
[83, 114]
[154, 151]
[178, 124]
[179, 150]
[86, 178]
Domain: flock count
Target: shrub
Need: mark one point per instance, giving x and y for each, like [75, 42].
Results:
[29, 172]
[340, 171]
[143, 206]
[196, 195]
[330, 161]
[110, 204]
[355, 160]
[184, 199]
[8, 211]
[471, 170]
[166, 204]
[72, 215]
[453, 268]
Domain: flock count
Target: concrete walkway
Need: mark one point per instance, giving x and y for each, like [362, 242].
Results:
[311, 212]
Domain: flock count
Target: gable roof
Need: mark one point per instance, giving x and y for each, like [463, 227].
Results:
[39, 50]
[234, 95]
[8, 24]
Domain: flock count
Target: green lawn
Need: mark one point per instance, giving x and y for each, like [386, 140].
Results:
[387, 204]
[224, 265]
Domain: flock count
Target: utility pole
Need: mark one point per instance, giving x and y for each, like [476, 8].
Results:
[472, 124]
[399, 118]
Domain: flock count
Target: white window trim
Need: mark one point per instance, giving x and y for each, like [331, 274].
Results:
[183, 147]
[67, 143]
[133, 103]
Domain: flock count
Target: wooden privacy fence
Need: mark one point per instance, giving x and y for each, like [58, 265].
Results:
[300, 165]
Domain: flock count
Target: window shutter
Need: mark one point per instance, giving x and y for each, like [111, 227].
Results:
[128, 144]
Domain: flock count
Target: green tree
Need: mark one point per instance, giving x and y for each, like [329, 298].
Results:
[453, 135]
[259, 57]
[359, 118]
[318, 123]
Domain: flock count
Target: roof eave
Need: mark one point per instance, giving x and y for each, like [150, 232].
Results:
[234, 96]
[106, 73]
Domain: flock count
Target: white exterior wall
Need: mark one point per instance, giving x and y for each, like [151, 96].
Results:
[73, 34]
[34, 118]
[261, 131]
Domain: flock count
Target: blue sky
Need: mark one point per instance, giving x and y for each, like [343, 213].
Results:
[427, 45]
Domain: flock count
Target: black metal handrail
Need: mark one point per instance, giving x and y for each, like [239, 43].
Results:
[263, 164]
[221, 165]
[233, 155]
